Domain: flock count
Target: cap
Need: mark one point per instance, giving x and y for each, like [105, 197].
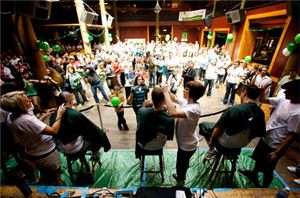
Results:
[293, 85]
[71, 57]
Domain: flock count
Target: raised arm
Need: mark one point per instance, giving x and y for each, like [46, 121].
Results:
[53, 130]
[169, 99]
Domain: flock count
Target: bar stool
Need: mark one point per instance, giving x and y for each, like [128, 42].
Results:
[216, 163]
[159, 153]
[71, 158]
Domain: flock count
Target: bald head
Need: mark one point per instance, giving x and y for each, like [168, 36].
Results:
[67, 98]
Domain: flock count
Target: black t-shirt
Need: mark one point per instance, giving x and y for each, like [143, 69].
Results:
[242, 117]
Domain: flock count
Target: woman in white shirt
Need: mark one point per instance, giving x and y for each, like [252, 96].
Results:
[34, 135]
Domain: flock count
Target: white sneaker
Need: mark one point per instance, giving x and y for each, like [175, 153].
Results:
[292, 169]
[297, 181]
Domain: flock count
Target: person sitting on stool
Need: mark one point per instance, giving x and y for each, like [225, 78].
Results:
[77, 132]
[237, 126]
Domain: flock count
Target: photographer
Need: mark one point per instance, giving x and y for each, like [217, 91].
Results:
[189, 73]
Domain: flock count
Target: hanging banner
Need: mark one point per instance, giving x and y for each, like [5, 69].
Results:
[195, 15]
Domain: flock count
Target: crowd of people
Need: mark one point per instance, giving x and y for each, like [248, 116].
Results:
[158, 67]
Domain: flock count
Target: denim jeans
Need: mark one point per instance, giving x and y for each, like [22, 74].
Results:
[230, 87]
[152, 78]
[101, 89]
[182, 162]
[210, 83]
[79, 90]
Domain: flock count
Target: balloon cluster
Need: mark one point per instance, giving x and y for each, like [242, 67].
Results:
[229, 38]
[44, 46]
[291, 46]
[209, 36]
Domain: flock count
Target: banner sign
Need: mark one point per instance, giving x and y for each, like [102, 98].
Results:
[195, 15]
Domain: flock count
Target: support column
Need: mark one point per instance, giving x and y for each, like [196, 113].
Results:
[104, 22]
[28, 40]
[83, 29]
[116, 20]
[157, 27]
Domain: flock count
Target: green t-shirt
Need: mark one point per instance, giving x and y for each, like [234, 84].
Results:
[29, 88]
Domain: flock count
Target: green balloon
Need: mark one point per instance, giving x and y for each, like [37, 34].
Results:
[230, 36]
[291, 47]
[210, 33]
[115, 101]
[45, 57]
[228, 40]
[209, 37]
[44, 45]
[297, 38]
[248, 59]
[90, 37]
[56, 48]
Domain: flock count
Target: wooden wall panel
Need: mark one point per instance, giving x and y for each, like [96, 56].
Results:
[193, 33]
[133, 32]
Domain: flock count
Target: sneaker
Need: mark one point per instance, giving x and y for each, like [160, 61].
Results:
[120, 127]
[291, 169]
[126, 127]
[222, 103]
[211, 154]
[297, 181]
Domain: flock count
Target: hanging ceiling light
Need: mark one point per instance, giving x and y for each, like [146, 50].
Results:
[157, 8]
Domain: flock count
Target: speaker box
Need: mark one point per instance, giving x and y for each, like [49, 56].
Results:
[35, 9]
[88, 17]
[208, 20]
[235, 16]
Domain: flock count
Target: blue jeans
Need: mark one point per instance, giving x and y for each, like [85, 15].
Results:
[230, 87]
[101, 89]
[152, 77]
[210, 83]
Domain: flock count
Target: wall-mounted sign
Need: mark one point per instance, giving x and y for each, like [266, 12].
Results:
[195, 15]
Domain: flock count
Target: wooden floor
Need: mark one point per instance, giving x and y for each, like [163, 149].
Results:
[12, 191]
[126, 139]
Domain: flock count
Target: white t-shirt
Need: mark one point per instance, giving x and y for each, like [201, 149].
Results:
[211, 72]
[27, 131]
[70, 148]
[234, 74]
[284, 119]
[185, 127]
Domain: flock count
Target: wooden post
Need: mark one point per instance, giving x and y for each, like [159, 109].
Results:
[28, 41]
[83, 29]
[116, 20]
[157, 27]
[104, 22]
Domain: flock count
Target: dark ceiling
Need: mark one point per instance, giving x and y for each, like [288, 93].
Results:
[64, 11]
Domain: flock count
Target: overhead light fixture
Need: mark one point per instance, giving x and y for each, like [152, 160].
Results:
[157, 8]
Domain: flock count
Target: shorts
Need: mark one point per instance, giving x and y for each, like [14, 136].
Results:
[48, 163]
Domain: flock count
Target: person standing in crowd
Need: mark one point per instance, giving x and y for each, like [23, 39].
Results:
[234, 74]
[281, 129]
[117, 92]
[185, 125]
[150, 65]
[174, 82]
[210, 76]
[292, 76]
[34, 135]
[95, 82]
[221, 70]
[189, 73]
[139, 92]
[161, 63]
[75, 83]
[263, 81]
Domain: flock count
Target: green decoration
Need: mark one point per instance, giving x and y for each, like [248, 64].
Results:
[115, 101]
[297, 38]
[45, 57]
[210, 33]
[209, 37]
[248, 59]
[229, 38]
[44, 46]
[56, 48]
[90, 37]
[291, 47]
